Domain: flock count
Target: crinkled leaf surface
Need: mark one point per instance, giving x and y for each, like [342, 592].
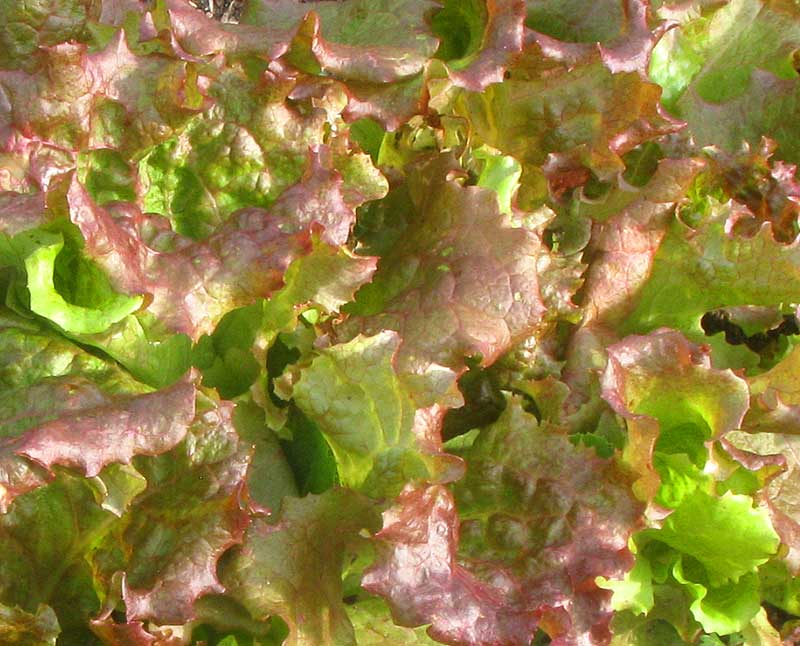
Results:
[776, 398]
[625, 245]
[588, 113]
[193, 283]
[456, 261]
[535, 531]
[45, 537]
[373, 625]
[480, 40]
[443, 287]
[781, 494]
[291, 567]
[174, 542]
[355, 39]
[743, 270]
[76, 99]
[674, 401]
[725, 534]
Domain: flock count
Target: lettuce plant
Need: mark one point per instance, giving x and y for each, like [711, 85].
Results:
[386, 322]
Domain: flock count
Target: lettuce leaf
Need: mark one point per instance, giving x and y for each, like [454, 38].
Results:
[521, 276]
[532, 536]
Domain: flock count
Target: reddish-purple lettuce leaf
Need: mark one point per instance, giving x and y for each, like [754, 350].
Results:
[767, 187]
[575, 31]
[501, 42]
[419, 575]
[21, 211]
[664, 376]
[163, 578]
[77, 411]
[586, 114]
[623, 247]
[462, 280]
[200, 35]
[64, 407]
[80, 99]
[70, 552]
[376, 50]
[771, 427]
[130, 634]
[88, 440]
[250, 147]
[539, 520]
[178, 191]
[27, 28]
[192, 284]
[729, 72]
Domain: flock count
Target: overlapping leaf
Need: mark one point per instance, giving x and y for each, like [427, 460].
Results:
[574, 30]
[444, 287]
[381, 437]
[743, 269]
[191, 285]
[730, 73]
[164, 577]
[782, 492]
[28, 629]
[586, 116]
[624, 246]
[64, 407]
[292, 566]
[92, 535]
[76, 99]
[675, 403]
[45, 536]
[28, 27]
[535, 531]
[494, 38]
[672, 399]
[352, 217]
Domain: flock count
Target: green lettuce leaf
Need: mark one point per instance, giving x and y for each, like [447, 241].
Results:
[690, 258]
[726, 535]
[373, 625]
[45, 543]
[65, 407]
[378, 434]
[173, 544]
[781, 493]
[673, 401]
